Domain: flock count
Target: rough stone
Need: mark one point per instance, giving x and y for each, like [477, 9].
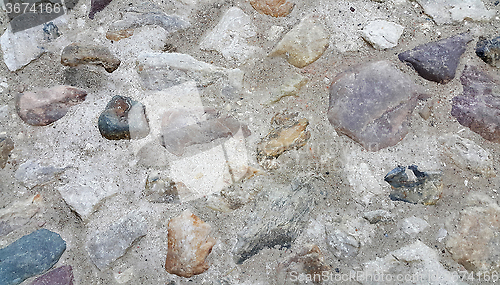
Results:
[97, 6]
[437, 61]
[75, 54]
[44, 106]
[421, 187]
[413, 225]
[489, 51]
[475, 243]
[372, 104]
[125, 27]
[230, 36]
[30, 255]
[59, 276]
[378, 216]
[18, 214]
[123, 118]
[106, 246]
[341, 244]
[304, 44]
[455, 11]
[382, 34]
[278, 218]
[6, 146]
[189, 244]
[467, 155]
[33, 173]
[275, 8]
[417, 261]
[288, 133]
[309, 262]
[160, 71]
[477, 107]
[160, 190]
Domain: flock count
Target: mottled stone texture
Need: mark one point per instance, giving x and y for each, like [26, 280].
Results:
[30, 255]
[478, 107]
[123, 118]
[59, 276]
[106, 246]
[489, 51]
[189, 244]
[18, 214]
[97, 6]
[44, 106]
[74, 55]
[372, 103]
[6, 146]
[426, 188]
[275, 8]
[437, 61]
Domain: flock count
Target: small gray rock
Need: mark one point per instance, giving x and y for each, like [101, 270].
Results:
[74, 55]
[489, 51]
[6, 146]
[378, 216]
[341, 244]
[160, 190]
[33, 173]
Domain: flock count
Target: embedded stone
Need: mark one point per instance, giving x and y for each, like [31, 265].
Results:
[189, 244]
[437, 61]
[97, 6]
[6, 146]
[59, 276]
[42, 107]
[421, 187]
[378, 216]
[275, 8]
[382, 34]
[18, 214]
[160, 190]
[413, 225]
[75, 54]
[310, 261]
[304, 44]
[33, 173]
[455, 11]
[107, 245]
[29, 256]
[123, 118]
[341, 244]
[489, 51]
[372, 104]
[477, 107]
[125, 27]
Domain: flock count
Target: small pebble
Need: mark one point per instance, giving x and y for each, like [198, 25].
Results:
[6, 146]
[75, 54]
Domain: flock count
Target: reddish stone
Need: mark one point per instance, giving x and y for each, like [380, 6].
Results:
[59, 276]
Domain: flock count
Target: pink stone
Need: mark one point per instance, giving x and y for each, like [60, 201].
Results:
[59, 276]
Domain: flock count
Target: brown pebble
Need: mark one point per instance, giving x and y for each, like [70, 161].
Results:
[74, 55]
[275, 8]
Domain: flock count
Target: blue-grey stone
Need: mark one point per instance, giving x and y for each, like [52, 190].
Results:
[489, 51]
[123, 118]
[30, 255]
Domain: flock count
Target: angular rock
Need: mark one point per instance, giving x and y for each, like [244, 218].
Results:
[455, 11]
[6, 146]
[309, 261]
[59, 276]
[107, 245]
[290, 87]
[304, 44]
[278, 218]
[97, 6]
[467, 155]
[341, 244]
[416, 262]
[160, 190]
[159, 71]
[372, 103]
[437, 61]
[75, 54]
[152, 155]
[123, 118]
[382, 34]
[33, 173]
[288, 133]
[189, 244]
[42, 107]
[30, 255]
[20, 48]
[477, 108]
[378, 216]
[413, 225]
[424, 187]
[230, 36]
[18, 214]
[275, 8]
[125, 27]
[489, 51]
[475, 244]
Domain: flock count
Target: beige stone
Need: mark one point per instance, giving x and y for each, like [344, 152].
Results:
[189, 244]
[275, 8]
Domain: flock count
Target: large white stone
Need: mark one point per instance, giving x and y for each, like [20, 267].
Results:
[382, 34]
[454, 11]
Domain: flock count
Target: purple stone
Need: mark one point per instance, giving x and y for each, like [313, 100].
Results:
[478, 108]
[97, 6]
[59, 276]
[437, 61]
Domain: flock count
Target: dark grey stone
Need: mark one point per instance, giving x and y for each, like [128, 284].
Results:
[123, 118]
[437, 61]
[489, 51]
[30, 255]
[6, 146]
